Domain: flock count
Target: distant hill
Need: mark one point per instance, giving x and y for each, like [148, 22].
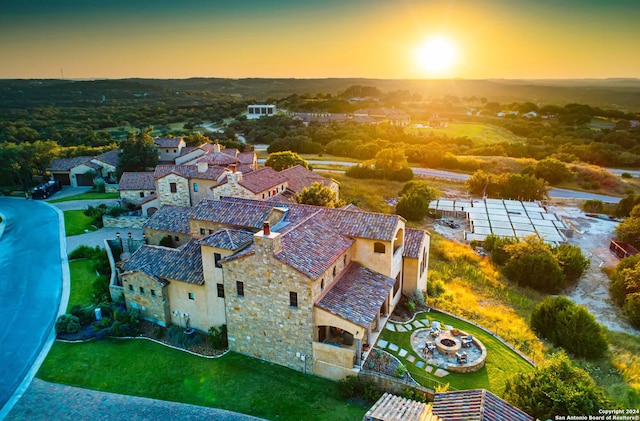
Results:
[621, 94]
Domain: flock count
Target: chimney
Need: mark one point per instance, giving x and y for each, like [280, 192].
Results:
[233, 168]
[266, 242]
[216, 146]
[202, 166]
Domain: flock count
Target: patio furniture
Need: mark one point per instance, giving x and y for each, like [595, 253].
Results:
[466, 342]
[462, 358]
[435, 332]
[430, 347]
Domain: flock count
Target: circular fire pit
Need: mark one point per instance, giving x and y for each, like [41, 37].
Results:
[449, 345]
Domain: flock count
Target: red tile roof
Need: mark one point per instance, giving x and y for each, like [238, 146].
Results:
[357, 295]
[480, 405]
[167, 142]
[413, 242]
[170, 218]
[263, 179]
[229, 239]
[137, 181]
[299, 178]
[189, 171]
[66, 164]
[110, 158]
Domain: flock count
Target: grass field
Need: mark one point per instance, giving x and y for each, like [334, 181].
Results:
[233, 382]
[76, 222]
[481, 134]
[501, 361]
[86, 196]
[82, 277]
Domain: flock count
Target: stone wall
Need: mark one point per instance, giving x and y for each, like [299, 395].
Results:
[133, 196]
[392, 384]
[180, 197]
[233, 188]
[111, 188]
[154, 308]
[124, 221]
[262, 324]
[154, 237]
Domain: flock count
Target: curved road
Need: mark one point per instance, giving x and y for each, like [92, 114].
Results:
[33, 265]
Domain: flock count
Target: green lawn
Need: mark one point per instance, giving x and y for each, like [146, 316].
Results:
[82, 277]
[76, 222]
[233, 382]
[86, 196]
[481, 134]
[501, 361]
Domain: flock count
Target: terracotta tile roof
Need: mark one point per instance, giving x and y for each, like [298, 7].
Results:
[167, 142]
[171, 218]
[245, 215]
[479, 404]
[413, 241]
[357, 295]
[148, 199]
[183, 264]
[229, 239]
[247, 158]
[189, 171]
[230, 151]
[312, 245]
[218, 158]
[371, 225]
[66, 164]
[188, 149]
[263, 179]
[352, 207]
[110, 158]
[299, 178]
[137, 181]
[395, 408]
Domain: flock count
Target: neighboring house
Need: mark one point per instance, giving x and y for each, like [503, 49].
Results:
[437, 122]
[109, 162]
[169, 148]
[215, 155]
[186, 185]
[255, 111]
[476, 405]
[136, 187]
[391, 116]
[261, 184]
[303, 286]
[395, 408]
[74, 172]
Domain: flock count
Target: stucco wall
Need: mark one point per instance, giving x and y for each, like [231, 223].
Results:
[204, 190]
[197, 309]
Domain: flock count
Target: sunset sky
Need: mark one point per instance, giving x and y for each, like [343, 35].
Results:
[510, 39]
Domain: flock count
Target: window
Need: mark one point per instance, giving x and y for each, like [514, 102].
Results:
[141, 194]
[175, 237]
[240, 288]
[334, 271]
[211, 231]
[397, 285]
[344, 260]
[293, 299]
[195, 187]
[142, 290]
[379, 248]
[221, 290]
[322, 285]
[153, 292]
[173, 187]
[202, 231]
[130, 287]
[216, 259]
[191, 296]
[174, 151]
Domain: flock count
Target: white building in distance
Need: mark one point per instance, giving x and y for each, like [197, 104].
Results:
[255, 111]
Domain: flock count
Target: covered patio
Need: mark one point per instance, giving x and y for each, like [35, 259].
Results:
[349, 319]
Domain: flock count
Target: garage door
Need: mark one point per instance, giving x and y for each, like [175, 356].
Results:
[63, 179]
[84, 180]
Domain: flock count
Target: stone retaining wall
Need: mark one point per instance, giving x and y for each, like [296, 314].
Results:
[393, 384]
[124, 221]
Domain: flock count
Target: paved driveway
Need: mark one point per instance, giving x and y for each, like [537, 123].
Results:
[32, 269]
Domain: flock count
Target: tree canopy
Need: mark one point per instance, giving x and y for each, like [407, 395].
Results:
[555, 387]
[629, 229]
[286, 159]
[319, 195]
[139, 153]
[416, 195]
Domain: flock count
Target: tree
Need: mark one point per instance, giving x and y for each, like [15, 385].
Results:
[531, 264]
[632, 308]
[392, 164]
[195, 139]
[629, 229]
[593, 206]
[571, 260]
[625, 279]
[552, 170]
[569, 326]
[319, 195]
[139, 153]
[522, 187]
[626, 205]
[555, 387]
[412, 207]
[282, 160]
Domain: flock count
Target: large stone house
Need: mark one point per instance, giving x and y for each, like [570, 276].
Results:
[303, 286]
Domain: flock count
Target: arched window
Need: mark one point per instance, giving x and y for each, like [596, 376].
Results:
[344, 260]
[334, 271]
[322, 285]
[379, 248]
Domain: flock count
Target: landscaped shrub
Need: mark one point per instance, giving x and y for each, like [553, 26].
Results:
[179, 338]
[411, 306]
[85, 314]
[435, 288]
[632, 308]
[67, 323]
[350, 387]
[593, 206]
[400, 371]
[569, 326]
[371, 393]
[84, 252]
[571, 260]
[117, 321]
[101, 290]
[96, 212]
[417, 297]
[218, 337]
[625, 279]
[414, 394]
[116, 211]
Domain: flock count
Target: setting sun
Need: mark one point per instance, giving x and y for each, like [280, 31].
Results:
[437, 55]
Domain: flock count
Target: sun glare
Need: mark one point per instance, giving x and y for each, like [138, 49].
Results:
[437, 55]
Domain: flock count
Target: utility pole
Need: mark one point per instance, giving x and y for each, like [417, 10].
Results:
[61, 74]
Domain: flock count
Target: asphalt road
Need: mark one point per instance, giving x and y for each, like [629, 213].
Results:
[32, 268]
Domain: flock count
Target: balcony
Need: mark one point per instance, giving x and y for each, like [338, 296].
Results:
[396, 262]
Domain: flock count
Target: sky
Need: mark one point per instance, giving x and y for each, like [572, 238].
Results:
[476, 39]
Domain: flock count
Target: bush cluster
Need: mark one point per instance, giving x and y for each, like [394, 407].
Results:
[67, 323]
[218, 337]
[179, 338]
[625, 288]
[352, 387]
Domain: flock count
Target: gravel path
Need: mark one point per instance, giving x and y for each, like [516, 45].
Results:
[50, 401]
